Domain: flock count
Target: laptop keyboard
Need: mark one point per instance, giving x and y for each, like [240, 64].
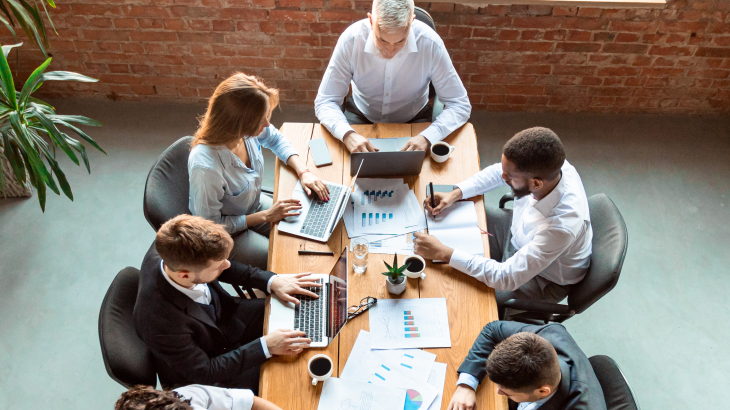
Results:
[320, 213]
[309, 315]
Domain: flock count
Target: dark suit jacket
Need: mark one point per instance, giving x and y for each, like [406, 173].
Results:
[579, 388]
[189, 348]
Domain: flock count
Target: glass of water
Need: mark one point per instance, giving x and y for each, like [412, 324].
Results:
[360, 247]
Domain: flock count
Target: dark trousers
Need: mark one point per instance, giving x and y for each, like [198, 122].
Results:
[251, 312]
[499, 222]
[355, 116]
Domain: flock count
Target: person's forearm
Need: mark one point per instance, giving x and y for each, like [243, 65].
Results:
[257, 218]
[262, 404]
[457, 195]
[296, 164]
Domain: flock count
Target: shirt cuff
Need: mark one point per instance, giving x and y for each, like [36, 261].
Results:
[266, 348]
[340, 129]
[468, 189]
[268, 284]
[460, 260]
[468, 380]
[432, 134]
[242, 399]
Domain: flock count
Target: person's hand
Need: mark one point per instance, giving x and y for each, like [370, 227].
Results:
[286, 286]
[443, 200]
[417, 143]
[357, 143]
[311, 182]
[286, 342]
[429, 247]
[464, 399]
[281, 209]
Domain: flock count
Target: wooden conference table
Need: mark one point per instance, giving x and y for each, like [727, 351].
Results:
[470, 303]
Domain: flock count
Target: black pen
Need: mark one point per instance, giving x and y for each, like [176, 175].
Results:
[433, 201]
[301, 252]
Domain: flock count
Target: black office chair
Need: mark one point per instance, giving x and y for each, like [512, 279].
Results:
[616, 389]
[610, 241]
[126, 357]
[167, 190]
[438, 107]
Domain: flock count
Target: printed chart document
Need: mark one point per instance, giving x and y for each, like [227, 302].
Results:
[437, 378]
[339, 394]
[458, 227]
[409, 323]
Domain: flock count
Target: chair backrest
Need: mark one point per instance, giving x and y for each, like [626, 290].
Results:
[610, 241]
[167, 188]
[423, 16]
[616, 389]
[126, 357]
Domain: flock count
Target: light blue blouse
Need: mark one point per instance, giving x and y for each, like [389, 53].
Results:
[222, 188]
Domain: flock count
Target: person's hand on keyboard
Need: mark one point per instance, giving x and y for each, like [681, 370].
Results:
[311, 182]
[417, 143]
[357, 143]
[283, 208]
[286, 342]
[285, 287]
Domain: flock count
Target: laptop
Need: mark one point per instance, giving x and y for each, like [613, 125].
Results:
[317, 218]
[390, 161]
[321, 319]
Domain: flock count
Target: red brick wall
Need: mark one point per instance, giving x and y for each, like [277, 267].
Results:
[511, 58]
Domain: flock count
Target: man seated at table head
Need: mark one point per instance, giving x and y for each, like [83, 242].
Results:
[390, 58]
[534, 366]
[197, 332]
[542, 247]
[193, 397]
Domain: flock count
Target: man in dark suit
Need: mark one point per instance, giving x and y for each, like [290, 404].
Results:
[196, 331]
[536, 367]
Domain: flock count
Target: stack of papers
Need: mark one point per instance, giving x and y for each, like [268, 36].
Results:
[412, 372]
[384, 211]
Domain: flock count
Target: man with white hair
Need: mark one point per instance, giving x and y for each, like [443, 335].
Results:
[390, 58]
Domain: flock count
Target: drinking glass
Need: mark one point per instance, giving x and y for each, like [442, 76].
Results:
[360, 247]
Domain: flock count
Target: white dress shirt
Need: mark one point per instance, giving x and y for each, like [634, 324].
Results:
[552, 236]
[200, 293]
[216, 398]
[391, 90]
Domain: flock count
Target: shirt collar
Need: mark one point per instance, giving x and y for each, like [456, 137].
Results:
[199, 294]
[410, 47]
[545, 205]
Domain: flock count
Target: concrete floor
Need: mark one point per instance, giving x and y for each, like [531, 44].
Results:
[665, 323]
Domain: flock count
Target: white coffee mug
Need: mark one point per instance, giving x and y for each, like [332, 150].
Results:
[441, 158]
[315, 377]
[412, 274]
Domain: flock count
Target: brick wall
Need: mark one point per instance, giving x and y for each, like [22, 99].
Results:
[511, 58]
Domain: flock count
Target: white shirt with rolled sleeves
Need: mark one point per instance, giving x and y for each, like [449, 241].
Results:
[216, 398]
[552, 236]
[391, 90]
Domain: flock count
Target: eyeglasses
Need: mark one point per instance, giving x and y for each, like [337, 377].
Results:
[365, 304]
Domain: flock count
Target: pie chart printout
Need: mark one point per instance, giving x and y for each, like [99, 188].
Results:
[413, 400]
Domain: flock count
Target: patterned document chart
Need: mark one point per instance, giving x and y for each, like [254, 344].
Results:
[410, 323]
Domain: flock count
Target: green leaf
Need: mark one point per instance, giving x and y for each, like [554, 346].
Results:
[395, 261]
[52, 4]
[67, 76]
[27, 24]
[8, 15]
[404, 267]
[2, 180]
[55, 135]
[80, 119]
[390, 268]
[34, 163]
[35, 13]
[65, 187]
[82, 135]
[30, 84]
[6, 49]
[12, 153]
[7, 25]
[6, 81]
[81, 149]
[41, 188]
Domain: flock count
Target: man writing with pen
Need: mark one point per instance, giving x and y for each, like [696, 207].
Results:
[540, 249]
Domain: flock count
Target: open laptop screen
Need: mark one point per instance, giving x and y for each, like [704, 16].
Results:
[338, 299]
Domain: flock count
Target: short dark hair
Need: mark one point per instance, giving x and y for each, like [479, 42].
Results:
[523, 362]
[536, 151]
[147, 398]
[187, 241]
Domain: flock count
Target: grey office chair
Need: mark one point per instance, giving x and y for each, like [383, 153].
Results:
[126, 357]
[438, 107]
[616, 389]
[610, 241]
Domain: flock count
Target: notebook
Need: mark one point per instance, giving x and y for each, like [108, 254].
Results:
[458, 227]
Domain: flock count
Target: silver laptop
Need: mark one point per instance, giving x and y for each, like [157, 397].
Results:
[317, 218]
[390, 161]
[321, 319]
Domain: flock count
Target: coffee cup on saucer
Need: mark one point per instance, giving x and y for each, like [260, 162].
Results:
[320, 368]
[440, 151]
[416, 267]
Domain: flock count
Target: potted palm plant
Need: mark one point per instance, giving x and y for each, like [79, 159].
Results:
[30, 133]
[395, 279]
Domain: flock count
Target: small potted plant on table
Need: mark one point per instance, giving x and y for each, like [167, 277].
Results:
[395, 280]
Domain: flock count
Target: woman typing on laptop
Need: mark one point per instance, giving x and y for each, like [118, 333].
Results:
[226, 166]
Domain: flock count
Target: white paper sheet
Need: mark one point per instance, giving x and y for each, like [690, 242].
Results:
[339, 394]
[387, 244]
[437, 378]
[366, 365]
[458, 227]
[409, 323]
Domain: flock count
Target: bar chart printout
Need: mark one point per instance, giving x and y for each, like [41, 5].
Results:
[409, 323]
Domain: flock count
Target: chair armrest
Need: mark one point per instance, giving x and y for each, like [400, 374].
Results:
[541, 307]
[506, 198]
[267, 190]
